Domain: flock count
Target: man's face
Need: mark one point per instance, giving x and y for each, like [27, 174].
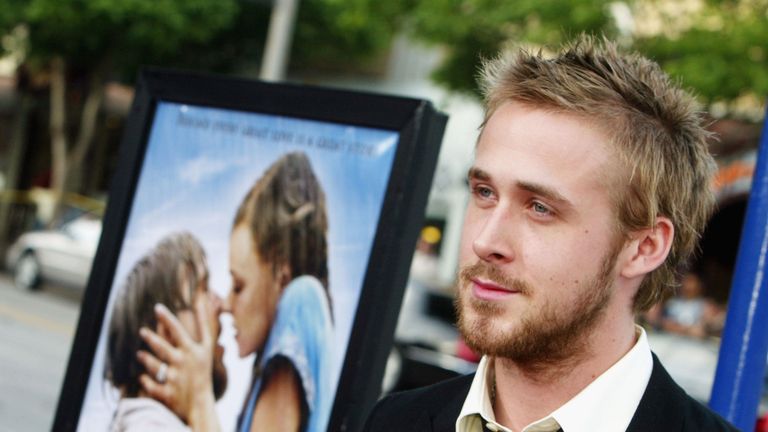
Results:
[539, 244]
[188, 320]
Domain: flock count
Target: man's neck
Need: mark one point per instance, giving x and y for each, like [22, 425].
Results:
[524, 393]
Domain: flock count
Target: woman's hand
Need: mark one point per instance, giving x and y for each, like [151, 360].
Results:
[185, 386]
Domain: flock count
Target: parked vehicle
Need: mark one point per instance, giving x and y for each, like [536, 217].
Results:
[63, 255]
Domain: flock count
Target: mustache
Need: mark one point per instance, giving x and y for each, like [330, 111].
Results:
[484, 270]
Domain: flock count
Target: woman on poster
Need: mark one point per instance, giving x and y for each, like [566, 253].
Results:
[281, 308]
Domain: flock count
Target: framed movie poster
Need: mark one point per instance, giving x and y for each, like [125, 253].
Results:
[255, 250]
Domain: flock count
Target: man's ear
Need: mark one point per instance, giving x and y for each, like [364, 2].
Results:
[648, 248]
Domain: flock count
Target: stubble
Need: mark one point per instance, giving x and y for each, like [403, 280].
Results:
[555, 334]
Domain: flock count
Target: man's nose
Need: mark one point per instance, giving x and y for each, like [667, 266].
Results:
[493, 241]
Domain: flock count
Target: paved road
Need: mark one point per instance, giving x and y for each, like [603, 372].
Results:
[36, 331]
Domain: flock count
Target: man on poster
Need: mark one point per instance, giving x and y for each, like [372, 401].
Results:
[589, 189]
[175, 274]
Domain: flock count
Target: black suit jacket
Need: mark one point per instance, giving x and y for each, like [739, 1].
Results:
[664, 407]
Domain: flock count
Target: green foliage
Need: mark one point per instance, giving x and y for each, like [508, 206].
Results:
[720, 52]
[10, 13]
[86, 32]
[235, 47]
[472, 30]
[329, 35]
[216, 35]
[724, 53]
[344, 34]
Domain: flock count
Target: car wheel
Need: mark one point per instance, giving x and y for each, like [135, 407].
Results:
[26, 273]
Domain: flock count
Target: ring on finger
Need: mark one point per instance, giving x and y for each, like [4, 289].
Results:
[162, 373]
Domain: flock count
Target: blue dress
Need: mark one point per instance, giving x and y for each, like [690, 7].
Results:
[302, 333]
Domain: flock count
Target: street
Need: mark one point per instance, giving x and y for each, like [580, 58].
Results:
[36, 331]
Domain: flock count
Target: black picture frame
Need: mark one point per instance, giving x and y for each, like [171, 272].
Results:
[419, 129]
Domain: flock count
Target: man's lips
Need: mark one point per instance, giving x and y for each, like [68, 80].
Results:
[486, 290]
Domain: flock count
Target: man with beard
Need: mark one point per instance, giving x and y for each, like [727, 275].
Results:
[589, 188]
[173, 275]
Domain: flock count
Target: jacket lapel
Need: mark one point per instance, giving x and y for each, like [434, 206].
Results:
[446, 413]
[661, 407]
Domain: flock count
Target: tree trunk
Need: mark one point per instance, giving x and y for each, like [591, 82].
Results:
[65, 162]
[18, 148]
[88, 120]
[58, 120]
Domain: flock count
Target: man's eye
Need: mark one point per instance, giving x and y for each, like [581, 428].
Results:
[483, 192]
[540, 208]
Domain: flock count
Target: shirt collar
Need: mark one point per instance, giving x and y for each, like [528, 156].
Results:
[617, 391]
[477, 403]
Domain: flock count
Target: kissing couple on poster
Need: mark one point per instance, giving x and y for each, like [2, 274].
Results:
[279, 301]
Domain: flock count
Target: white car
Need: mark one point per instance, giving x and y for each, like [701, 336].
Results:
[62, 256]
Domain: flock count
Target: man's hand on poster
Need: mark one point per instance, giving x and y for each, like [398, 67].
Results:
[179, 369]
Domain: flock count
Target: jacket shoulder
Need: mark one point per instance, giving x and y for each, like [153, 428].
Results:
[701, 418]
[420, 408]
[666, 407]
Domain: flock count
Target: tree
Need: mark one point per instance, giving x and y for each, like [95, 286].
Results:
[75, 45]
[344, 35]
[330, 36]
[78, 44]
[473, 30]
[715, 47]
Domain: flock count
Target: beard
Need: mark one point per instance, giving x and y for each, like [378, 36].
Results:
[553, 334]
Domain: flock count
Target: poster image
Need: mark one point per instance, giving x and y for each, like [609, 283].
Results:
[271, 219]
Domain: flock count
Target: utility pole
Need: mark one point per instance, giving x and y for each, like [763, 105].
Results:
[279, 36]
